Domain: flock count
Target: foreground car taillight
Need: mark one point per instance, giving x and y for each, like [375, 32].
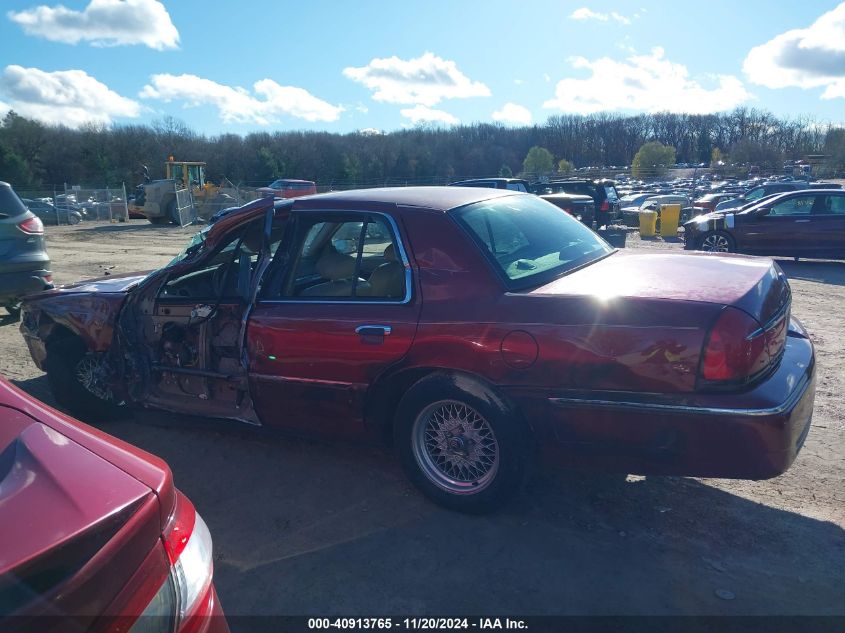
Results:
[33, 226]
[187, 589]
[736, 349]
[605, 206]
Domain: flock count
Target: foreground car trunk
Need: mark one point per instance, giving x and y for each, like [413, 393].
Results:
[81, 526]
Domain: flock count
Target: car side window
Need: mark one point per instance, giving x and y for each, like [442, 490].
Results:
[799, 205]
[517, 186]
[345, 259]
[832, 205]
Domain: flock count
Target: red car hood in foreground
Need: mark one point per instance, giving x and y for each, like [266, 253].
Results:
[756, 285]
[79, 510]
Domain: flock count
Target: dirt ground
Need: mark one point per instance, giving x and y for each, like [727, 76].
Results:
[312, 528]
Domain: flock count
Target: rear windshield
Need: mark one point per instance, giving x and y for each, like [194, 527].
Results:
[529, 241]
[10, 203]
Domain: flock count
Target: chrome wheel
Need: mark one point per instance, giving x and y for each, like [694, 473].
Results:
[455, 447]
[715, 243]
[91, 374]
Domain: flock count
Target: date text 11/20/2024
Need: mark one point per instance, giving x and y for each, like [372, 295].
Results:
[430, 624]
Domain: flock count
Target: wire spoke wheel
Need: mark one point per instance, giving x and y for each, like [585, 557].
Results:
[455, 447]
[90, 371]
[715, 243]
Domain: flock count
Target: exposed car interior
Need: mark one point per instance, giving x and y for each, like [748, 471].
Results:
[346, 259]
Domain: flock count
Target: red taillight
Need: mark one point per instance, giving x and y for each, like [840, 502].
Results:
[736, 348]
[188, 545]
[180, 527]
[605, 206]
[32, 226]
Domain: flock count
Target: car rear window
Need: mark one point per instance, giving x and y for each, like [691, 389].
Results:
[610, 192]
[10, 203]
[528, 240]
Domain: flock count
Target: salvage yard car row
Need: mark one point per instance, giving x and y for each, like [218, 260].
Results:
[479, 331]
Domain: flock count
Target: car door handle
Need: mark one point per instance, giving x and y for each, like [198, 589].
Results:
[373, 330]
[797, 221]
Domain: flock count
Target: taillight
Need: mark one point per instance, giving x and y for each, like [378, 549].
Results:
[33, 226]
[605, 205]
[186, 590]
[188, 545]
[736, 349]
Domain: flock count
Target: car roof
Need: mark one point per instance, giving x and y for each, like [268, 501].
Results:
[433, 198]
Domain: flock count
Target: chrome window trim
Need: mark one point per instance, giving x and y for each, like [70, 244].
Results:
[354, 301]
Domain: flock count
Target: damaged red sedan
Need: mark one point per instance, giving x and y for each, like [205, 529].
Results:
[479, 330]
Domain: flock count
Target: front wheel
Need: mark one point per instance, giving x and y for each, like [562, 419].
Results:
[74, 219]
[717, 242]
[463, 448]
[79, 381]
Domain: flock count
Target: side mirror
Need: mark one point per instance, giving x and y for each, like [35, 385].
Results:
[762, 211]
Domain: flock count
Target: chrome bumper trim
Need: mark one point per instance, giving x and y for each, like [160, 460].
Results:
[644, 407]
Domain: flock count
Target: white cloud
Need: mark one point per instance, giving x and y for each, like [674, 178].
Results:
[813, 57]
[424, 114]
[370, 131]
[513, 113]
[68, 97]
[585, 13]
[103, 23]
[236, 105]
[426, 80]
[648, 83]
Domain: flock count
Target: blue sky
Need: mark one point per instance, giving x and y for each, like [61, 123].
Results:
[262, 65]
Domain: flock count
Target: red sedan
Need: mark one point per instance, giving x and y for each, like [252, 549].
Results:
[478, 330]
[93, 535]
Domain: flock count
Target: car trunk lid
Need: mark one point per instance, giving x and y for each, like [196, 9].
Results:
[755, 285]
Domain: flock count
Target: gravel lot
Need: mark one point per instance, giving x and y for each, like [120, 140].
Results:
[311, 528]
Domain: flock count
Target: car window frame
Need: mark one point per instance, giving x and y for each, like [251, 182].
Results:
[283, 262]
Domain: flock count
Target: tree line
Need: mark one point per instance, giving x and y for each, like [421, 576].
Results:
[34, 155]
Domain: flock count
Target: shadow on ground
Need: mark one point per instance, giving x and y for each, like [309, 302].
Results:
[308, 528]
[826, 272]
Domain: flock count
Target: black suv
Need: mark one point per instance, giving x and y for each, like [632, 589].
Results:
[603, 193]
[24, 263]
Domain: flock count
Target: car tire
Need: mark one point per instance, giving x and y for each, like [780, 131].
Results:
[63, 373]
[475, 470]
[717, 242]
[159, 221]
[74, 219]
[14, 310]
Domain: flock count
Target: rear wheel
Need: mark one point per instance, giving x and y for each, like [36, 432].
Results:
[717, 242]
[78, 379]
[461, 447]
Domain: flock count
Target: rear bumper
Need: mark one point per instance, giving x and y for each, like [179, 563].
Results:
[753, 435]
[14, 285]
